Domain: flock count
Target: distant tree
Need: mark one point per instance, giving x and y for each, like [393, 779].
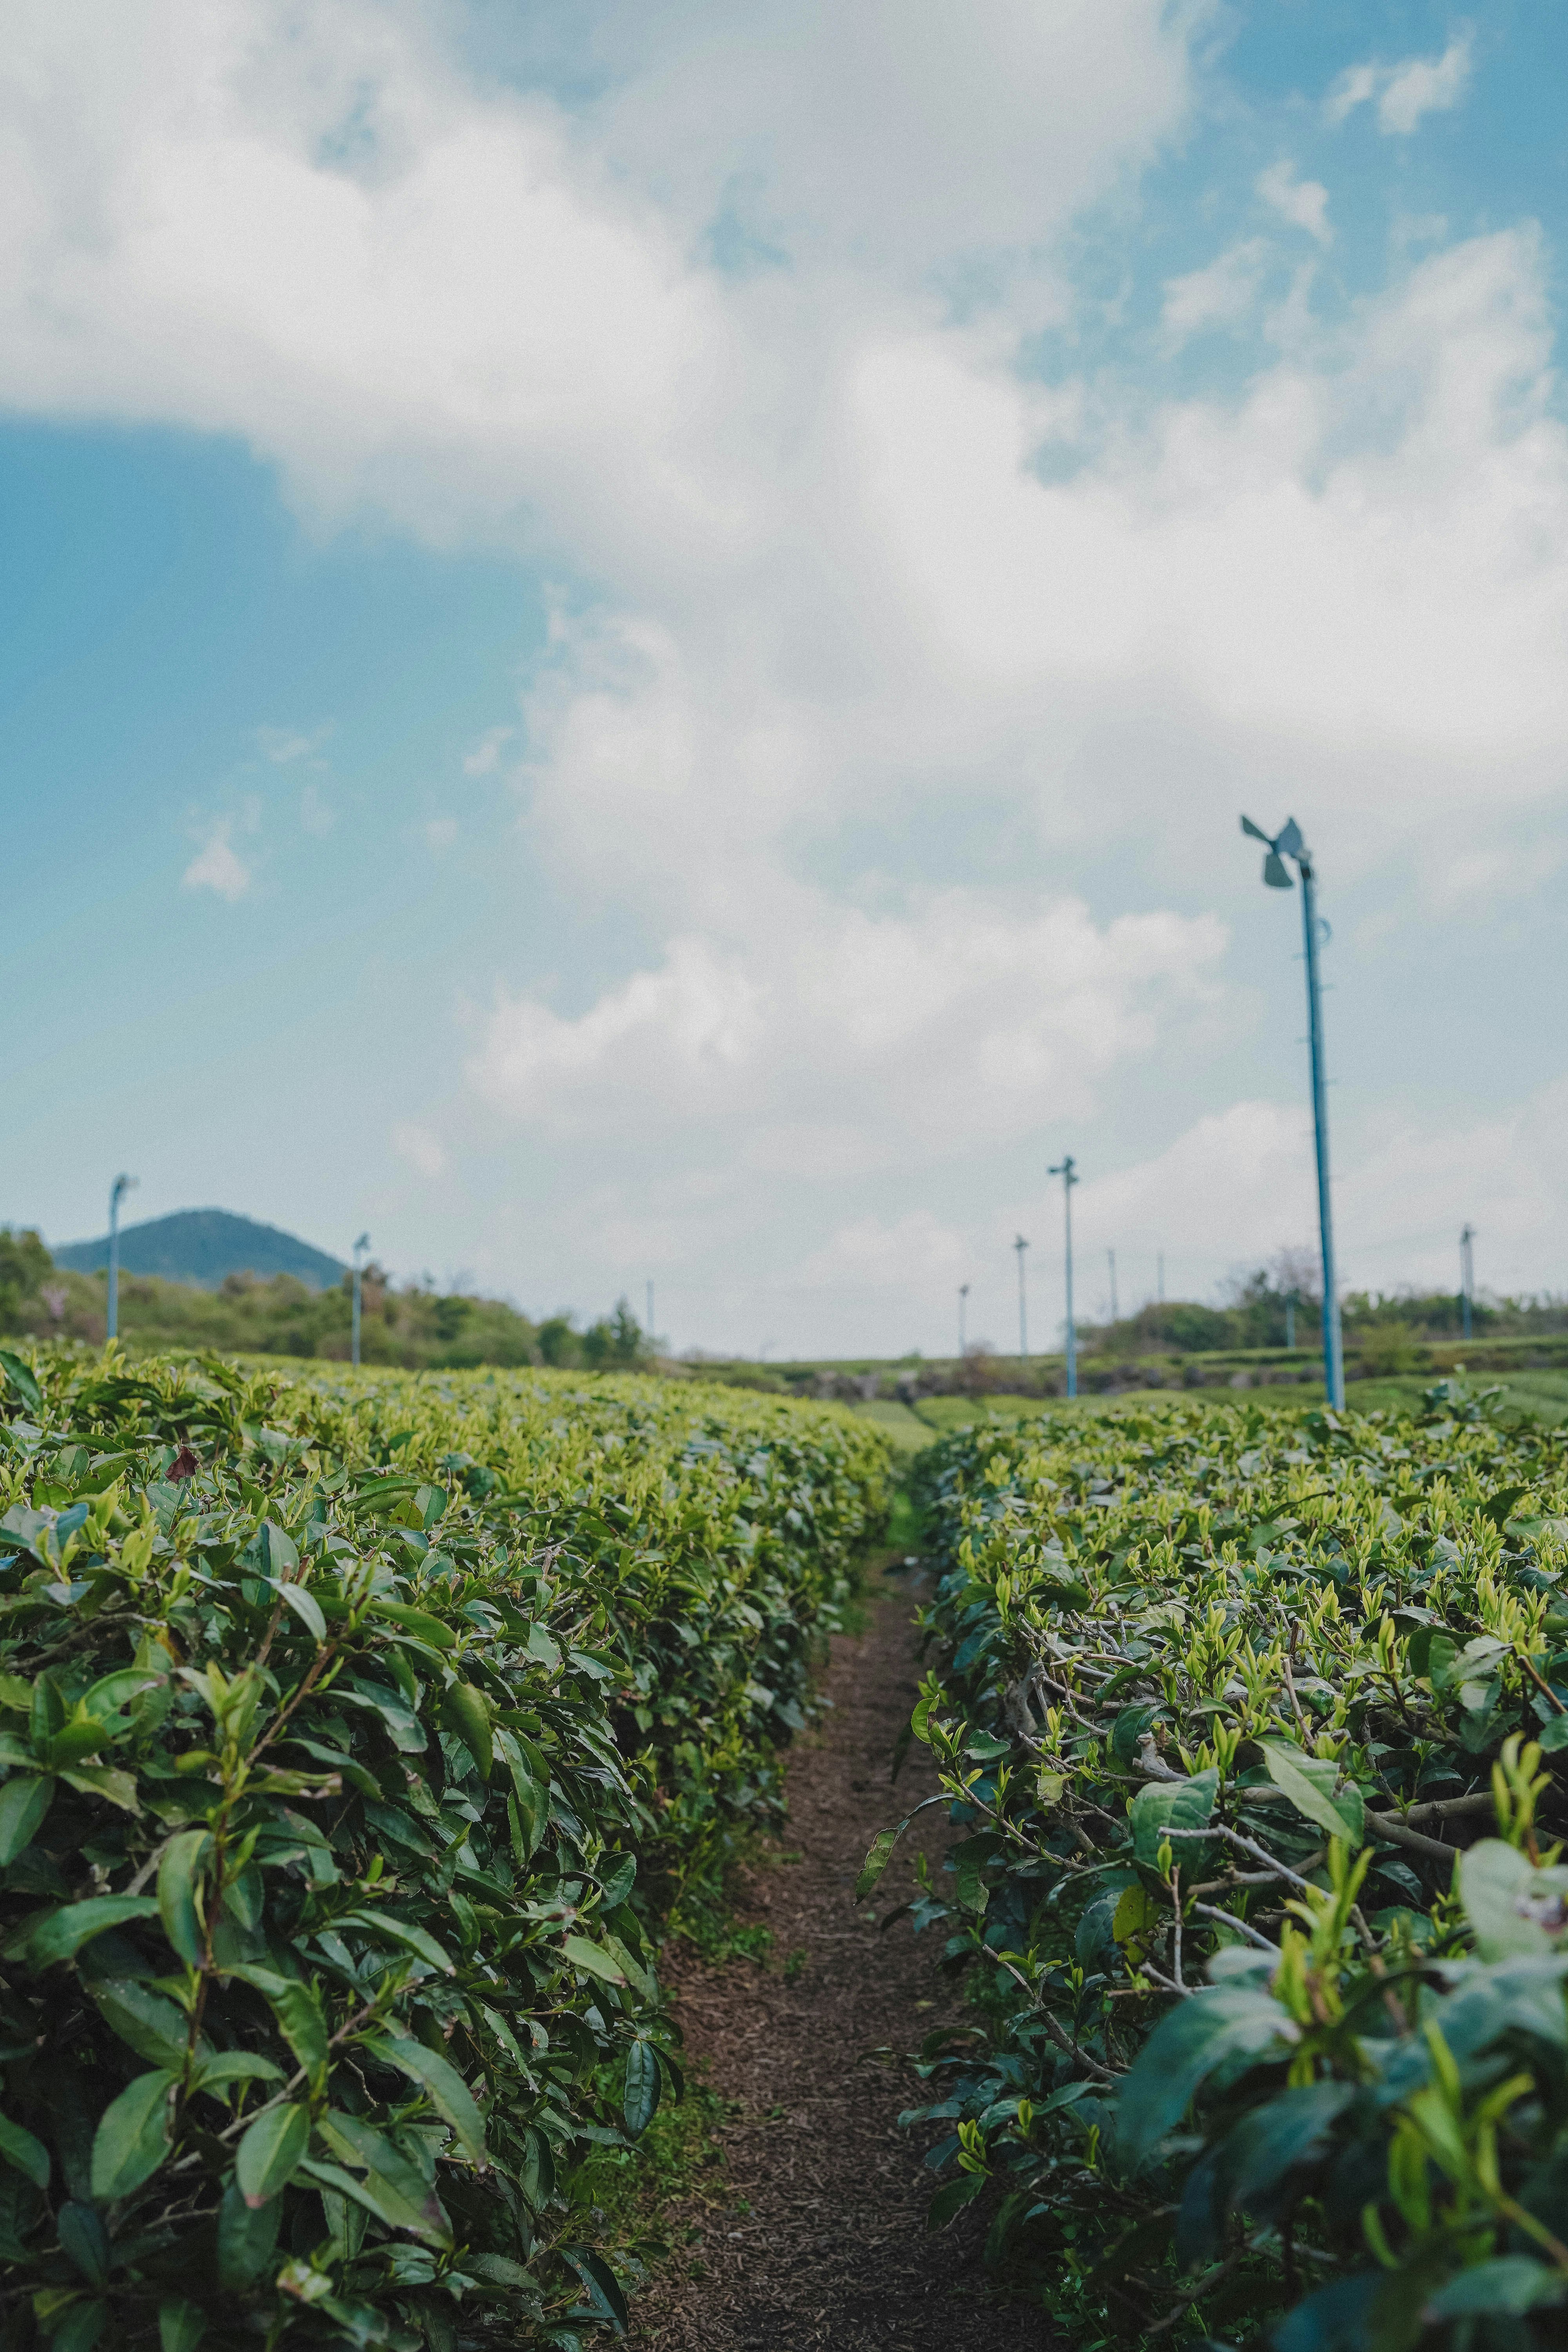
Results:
[617, 1339]
[559, 1344]
[25, 1265]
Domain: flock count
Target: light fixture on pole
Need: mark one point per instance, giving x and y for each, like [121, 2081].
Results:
[1288, 843]
[1467, 1278]
[1021, 1245]
[117, 1191]
[963, 1302]
[360, 1248]
[1067, 1168]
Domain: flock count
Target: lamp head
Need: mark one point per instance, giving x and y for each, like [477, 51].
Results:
[1286, 842]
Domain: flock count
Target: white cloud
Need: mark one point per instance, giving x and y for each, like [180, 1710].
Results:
[441, 832]
[1220, 295]
[1405, 92]
[421, 1149]
[831, 1040]
[1353, 87]
[283, 745]
[485, 756]
[217, 866]
[855, 606]
[1303, 202]
[1238, 1185]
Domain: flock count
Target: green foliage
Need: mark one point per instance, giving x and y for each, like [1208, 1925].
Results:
[356, 1737]
[25, 1266]
[1250, 1721]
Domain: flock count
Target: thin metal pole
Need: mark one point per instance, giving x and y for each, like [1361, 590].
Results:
[1467, 1277]
[360, 1248]
[1333, 1349]
[1021, 1245]
[963, 1302]
[121, 1186]
[1066, 1170]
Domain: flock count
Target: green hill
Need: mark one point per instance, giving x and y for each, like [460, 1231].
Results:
[204, 1247]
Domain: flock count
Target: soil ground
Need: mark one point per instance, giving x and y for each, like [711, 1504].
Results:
[812, 2231]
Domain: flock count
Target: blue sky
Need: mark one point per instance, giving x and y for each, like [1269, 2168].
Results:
[631, 640]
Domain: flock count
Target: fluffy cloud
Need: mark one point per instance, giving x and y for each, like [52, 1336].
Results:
[1303, 202]
[1218, 295]
[872, 640]
[218, 867]
[837, 1040]
[1405, 92]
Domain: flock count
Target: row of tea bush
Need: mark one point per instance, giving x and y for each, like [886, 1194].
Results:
[358, 1739]
[1253, 1725]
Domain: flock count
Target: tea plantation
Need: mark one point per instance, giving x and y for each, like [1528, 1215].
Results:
[358, 1740]
[1253, 1726]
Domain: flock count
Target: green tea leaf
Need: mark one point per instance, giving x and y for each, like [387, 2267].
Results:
[1309, 1782]
[133, 2138]
[61, 1933]
[84, 2241]
[28, 2154]
[592, 1961]
[447, 2092]
[181, 2324]
[177, 1883]
[640, 2100]
[270, 2151]
[25, 1801]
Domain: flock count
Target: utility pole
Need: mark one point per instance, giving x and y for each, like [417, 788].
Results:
[360, 1248]
[1288, 843]
[1115, 1313]
[1467, 1278]
[1066, 1170]
[117, 1191]
[1021, 1245]
[963, 1302]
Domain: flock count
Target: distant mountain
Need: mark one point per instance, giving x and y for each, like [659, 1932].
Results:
[201, 1246]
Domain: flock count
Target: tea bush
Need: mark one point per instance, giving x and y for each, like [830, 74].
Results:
[355, 1741]
[1254, 1725]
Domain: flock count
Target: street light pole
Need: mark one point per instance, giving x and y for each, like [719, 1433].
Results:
[1467, 1278]
[1288, 843]
[963, 1302]
[360, 1248]
[121, 1186]
[1067, 1168]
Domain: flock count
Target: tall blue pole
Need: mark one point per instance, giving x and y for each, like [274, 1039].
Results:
[360, 1248]
[1333, 1347]
[121, 1186]
[1068, 1170]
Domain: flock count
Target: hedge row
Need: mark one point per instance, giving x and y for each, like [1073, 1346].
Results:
[355, 1740]
[1255, 1726]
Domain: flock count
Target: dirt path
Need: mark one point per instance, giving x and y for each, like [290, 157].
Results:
[833, 2250]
